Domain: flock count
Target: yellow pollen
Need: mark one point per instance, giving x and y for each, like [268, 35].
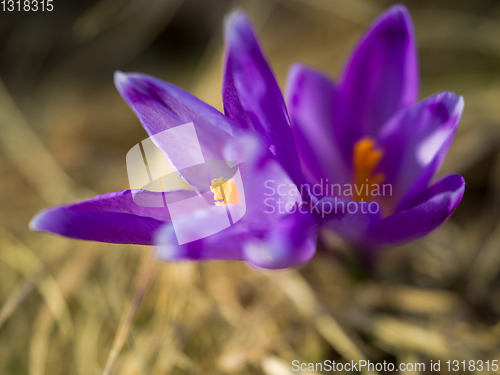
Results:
[225, 191]
[365, 160]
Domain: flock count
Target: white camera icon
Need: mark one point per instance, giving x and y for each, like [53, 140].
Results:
[155, 183]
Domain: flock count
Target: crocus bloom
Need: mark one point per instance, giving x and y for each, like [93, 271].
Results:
[369, 132]
[255, 132]
[348, 134]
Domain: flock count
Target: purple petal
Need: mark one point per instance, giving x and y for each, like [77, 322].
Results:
[161, 106]
[222, 245]
[251, 95]
[290, 242]
[269, 196]
[436, 205]
[269, 190]
[380, 78]
[309, 97]
[111, 217]
[349, 219]
[415, 143]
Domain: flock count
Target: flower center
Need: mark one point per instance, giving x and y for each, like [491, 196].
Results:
[365, 160]
[225, 191]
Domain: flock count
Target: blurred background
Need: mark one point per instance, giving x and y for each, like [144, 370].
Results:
[66, 307]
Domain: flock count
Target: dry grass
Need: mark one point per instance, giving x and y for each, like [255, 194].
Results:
[70, 307]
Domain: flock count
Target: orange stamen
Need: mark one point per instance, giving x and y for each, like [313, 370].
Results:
[365, 160]
[225, 191]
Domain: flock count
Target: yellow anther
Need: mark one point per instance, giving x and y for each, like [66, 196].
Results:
[366, 158]
[225, 191]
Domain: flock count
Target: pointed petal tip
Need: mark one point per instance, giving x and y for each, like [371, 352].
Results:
[395, 20]
[119, 77]
[450, 95]
[458, 99]
[398, 11]
[294, 74]
[399, 8]
[42, 221]
[386, 53]
[454, 103]
[296, 69]
[238, 27]
[128, 84]
[34, 223]
[122, 79]
[300, 78]
[235, 16]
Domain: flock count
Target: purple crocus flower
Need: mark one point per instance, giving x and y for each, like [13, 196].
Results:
[367, 128]
[255, 132]
[369, 132]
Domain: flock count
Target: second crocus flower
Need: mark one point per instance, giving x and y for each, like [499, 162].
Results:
[369, 132]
